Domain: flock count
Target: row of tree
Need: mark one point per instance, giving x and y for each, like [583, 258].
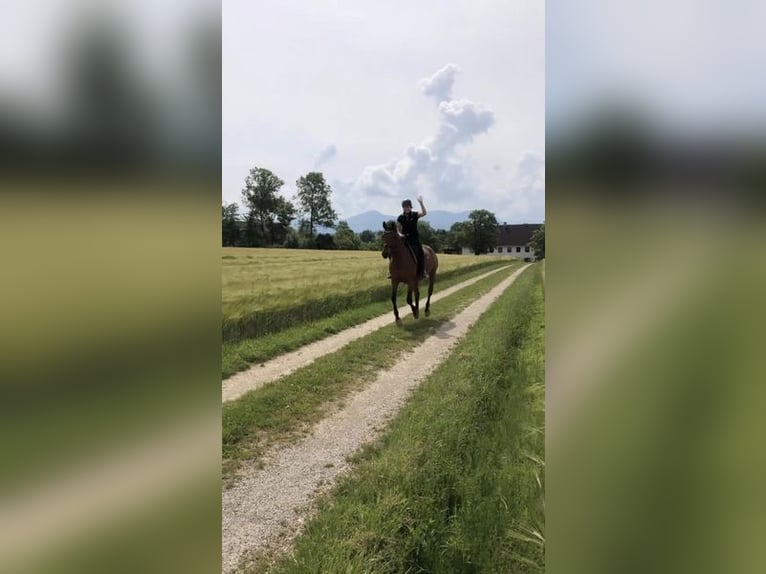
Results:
[269, 215]
[248, 231]
[269, 219]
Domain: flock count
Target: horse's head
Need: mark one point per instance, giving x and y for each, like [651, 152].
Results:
[390, 237]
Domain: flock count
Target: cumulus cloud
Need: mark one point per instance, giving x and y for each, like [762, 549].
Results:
[325, 155]
[461, 121]
[439, 86]
[378, 180]
[434, 165]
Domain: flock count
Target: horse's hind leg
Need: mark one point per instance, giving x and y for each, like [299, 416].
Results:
[430, 290]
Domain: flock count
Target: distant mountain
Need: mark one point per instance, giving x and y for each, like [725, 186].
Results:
[445, 219]
[373, 220]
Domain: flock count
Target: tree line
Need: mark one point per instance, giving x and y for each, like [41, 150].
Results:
[269, 216]
[268, 220]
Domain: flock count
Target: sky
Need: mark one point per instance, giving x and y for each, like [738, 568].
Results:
[390, 100]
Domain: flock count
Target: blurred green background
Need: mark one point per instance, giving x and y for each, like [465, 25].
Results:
[656, 157]
[109, 241]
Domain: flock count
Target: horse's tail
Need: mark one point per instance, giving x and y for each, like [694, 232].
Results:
[429, 251]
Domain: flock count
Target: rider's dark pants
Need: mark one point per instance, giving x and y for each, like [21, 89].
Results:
[417, 247]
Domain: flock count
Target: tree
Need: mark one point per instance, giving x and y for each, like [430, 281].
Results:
[428, 236]
[230, 224]
[441, 238]
[254, 236]
[260, 195]
[367, 236]
[305, 240]
[538, 242]
[459, 235]
[483, 231]
[292, 238]
[284, 211]
[345, 238]
[314, 201]
[324, 241]
[370, 240]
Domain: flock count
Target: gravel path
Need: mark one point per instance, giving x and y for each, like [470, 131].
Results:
[267, 507]
[259, 375]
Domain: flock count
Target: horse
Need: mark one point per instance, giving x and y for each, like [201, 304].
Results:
[404, 269]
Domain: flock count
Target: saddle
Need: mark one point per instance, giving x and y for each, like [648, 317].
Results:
[426, 258]
[412, 252]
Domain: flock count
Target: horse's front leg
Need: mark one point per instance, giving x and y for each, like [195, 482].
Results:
[416, 311]
[394, 289]
[414, 306]
[430, 290]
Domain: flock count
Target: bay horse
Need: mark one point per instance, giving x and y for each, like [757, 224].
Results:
[404, 269]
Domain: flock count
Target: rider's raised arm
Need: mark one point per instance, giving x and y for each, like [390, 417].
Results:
[423, 211]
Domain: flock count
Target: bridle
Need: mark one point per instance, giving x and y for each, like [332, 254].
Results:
[386, 244]
[398, 244]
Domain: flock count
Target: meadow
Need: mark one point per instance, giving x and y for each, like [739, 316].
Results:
[306, 294]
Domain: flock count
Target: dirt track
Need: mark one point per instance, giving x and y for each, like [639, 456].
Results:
[267, 507]
[261, 374]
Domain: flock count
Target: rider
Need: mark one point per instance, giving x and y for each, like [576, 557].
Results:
[407, 223]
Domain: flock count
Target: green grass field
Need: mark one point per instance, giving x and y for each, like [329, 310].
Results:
[274, 300]
[457, 482]
[262, 279]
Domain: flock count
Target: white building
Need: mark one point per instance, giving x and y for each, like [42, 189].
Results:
[513, 240]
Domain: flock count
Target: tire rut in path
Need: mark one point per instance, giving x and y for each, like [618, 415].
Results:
[257, 376]
[267, 507]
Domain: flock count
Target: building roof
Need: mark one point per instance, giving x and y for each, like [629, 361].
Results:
[517, 234]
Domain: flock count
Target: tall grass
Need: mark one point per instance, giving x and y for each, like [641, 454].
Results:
[457, 484]
[266, 291]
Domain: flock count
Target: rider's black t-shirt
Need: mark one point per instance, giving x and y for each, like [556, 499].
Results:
[409, 223]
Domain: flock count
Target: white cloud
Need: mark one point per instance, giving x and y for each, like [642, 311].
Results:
[325, 155]
[378, 180]
[439, 85]
[462, 120]
[434, 164]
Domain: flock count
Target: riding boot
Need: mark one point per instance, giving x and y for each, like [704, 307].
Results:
[422, 271]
